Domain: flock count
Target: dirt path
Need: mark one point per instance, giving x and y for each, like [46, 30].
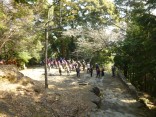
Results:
[115, 98]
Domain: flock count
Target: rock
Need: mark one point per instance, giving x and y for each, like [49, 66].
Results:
[95, 97]
[97, 102]
[96, 90]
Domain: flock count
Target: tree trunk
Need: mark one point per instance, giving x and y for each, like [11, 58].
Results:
[46, 48]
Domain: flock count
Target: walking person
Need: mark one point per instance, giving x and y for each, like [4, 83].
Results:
[68, 70]
[78, 71]
[79, 64]
[91, 71]
[88, 67]
[60, 70]
[102, 72]
[83, 65]
[113, 70]
[98, 72]
[49, 64]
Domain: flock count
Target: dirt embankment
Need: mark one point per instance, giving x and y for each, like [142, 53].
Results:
[21, 96]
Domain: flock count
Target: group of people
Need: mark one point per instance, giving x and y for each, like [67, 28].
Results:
[66, 65]
[71, 65]
[99, 71]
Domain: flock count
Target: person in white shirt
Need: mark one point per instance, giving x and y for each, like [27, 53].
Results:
[88, 67]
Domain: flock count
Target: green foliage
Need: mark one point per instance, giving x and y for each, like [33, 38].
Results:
[102, 58]
[2, 19]
[24, 56]
[136, 54]
[19, 39]
[22, 26]
[73, 14]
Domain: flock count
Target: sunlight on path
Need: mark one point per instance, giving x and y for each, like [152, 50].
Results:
[34, 73]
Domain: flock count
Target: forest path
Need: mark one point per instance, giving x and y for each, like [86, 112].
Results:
[116, 101]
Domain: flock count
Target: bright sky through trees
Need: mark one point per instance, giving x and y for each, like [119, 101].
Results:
[50, 1]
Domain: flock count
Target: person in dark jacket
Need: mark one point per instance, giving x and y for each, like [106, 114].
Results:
[78, 71]
[91, 71]
[60, 71]
[98, 72]
[102, 72]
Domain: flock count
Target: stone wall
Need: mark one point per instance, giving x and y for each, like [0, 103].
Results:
[129, 86]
